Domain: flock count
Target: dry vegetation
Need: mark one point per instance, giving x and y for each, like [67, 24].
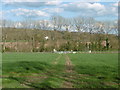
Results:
[33, 40]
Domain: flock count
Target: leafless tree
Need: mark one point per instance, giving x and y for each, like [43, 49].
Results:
[67, 23]
[54, 22]
[108, 27]
[60, 22]
[115, 28]
[78, 23]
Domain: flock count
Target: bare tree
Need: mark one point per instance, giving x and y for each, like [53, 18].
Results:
[89, 23]
[78, 23]
[108, 27]
[59, 21]
[54, 22]
[4, 34]
[66, 23]
[116, 29]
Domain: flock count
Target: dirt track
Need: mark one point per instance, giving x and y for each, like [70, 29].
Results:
[69, 73]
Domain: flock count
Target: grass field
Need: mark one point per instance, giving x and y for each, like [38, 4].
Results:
[50, 70]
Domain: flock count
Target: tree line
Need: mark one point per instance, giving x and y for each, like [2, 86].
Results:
[88, 34]
[59, 23]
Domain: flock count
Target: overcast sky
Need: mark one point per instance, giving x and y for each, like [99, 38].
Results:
[43, 9]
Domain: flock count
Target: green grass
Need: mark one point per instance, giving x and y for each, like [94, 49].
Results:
[37, 70]
[97, 70]
[19, 66]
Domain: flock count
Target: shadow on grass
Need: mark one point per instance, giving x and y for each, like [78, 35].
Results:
[95, 74]
[25, 67]
[17, 70]
[92, 70]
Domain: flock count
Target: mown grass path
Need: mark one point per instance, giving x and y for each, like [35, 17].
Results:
[68, 70]
[70, 74]
[56, 60]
